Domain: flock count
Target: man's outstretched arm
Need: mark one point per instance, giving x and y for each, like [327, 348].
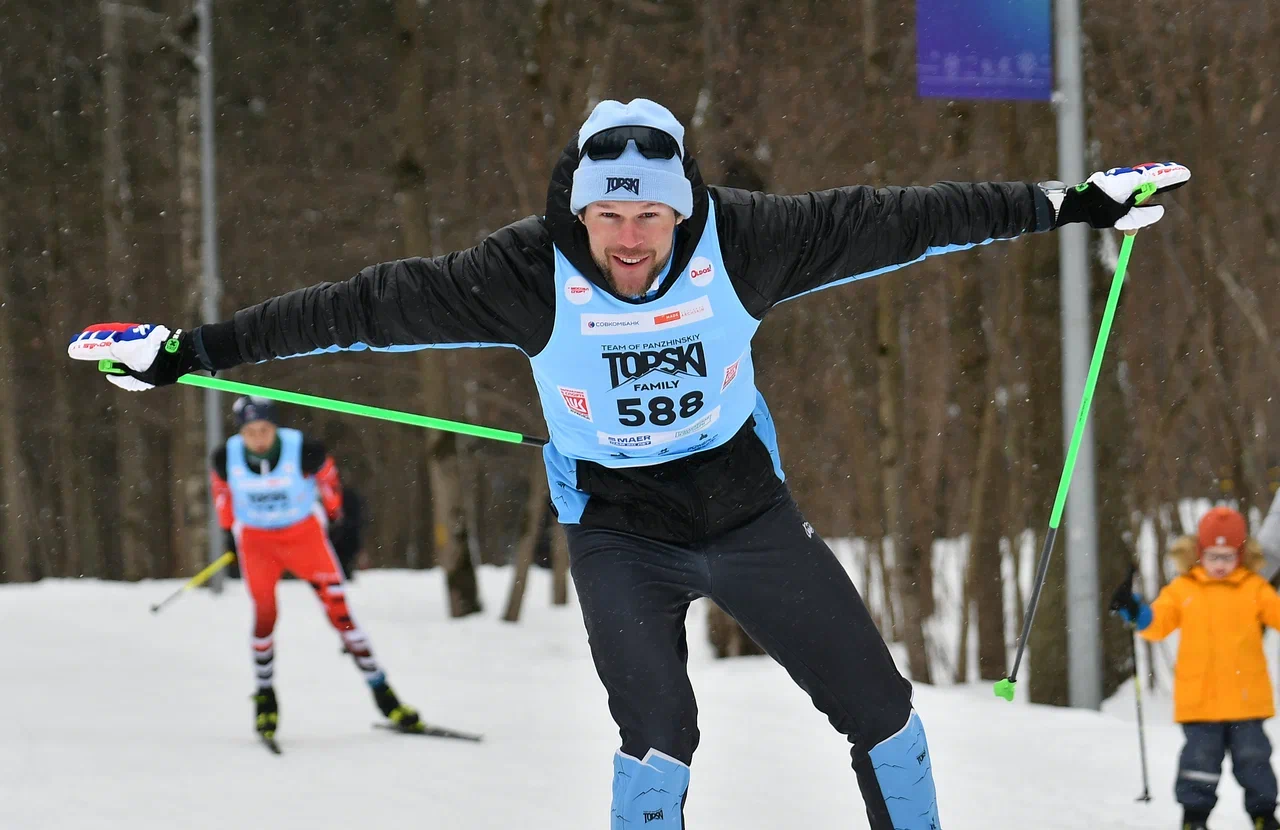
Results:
[498, 293]
[779, 247]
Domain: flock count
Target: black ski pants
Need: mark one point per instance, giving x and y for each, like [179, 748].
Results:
[783, 585]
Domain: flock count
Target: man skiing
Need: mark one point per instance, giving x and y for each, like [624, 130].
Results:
[635, 298]
[275, 492]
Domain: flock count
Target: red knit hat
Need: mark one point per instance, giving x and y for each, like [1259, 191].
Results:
[1222, 526]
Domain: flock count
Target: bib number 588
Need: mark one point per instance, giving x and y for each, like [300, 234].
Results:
[663, 411]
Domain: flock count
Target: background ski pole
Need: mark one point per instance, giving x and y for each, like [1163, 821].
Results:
[363, 410]
[196, 581]
[1005, 688]
[1137, 698]
[1118, 601]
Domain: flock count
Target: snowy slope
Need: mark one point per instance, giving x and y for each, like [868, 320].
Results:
[114, 718]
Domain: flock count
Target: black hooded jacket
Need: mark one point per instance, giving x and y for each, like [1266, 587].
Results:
[502, 292]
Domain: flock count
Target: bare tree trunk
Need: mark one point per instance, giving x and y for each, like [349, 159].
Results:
[973, 366]
[133, 484]
[535, 512]
[990, 508]
[866, 572]
[966, 611]
[872, 497]
[452, 548]
[559, 565]
[453, 553]
[190, 495]
[15, 557]
[1162, 544]
[888, 580]
[1018, 430]
[924, 422]
[727, 637]
[985, 522]
[472, 480]
[1047, 646]
[69, 469]
[1118, 477]
[891, 476]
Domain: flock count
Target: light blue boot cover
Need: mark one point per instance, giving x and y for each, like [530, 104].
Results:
[905, 774]
[648, 794]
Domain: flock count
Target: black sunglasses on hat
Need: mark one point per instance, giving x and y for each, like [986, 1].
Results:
[611, 143]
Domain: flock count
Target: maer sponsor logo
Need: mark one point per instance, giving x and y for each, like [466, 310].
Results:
[642, 440]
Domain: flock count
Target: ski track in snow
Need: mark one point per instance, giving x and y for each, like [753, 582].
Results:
[115, 718]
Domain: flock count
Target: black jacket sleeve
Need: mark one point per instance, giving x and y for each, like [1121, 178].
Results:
[778, 247]
[313, 456]
[498, 293]
[218, 461]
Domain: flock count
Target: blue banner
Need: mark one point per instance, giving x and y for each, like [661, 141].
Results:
[984, 49]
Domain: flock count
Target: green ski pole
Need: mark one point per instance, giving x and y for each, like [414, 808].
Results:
[1005, 688]
[346, 407]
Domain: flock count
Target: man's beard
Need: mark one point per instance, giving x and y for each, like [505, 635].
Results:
[606, 268]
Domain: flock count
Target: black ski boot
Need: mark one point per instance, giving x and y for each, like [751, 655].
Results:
[267, 716]
[1265, 822]
[405, 718]
[1194, 821]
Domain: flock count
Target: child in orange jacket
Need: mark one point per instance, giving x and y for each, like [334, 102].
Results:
[1222, 692]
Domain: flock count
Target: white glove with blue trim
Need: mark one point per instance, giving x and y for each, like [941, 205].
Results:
[137, 356]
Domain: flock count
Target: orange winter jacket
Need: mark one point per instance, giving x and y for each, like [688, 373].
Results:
[1221, 671]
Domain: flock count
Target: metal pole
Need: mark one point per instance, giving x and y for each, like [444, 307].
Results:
[1084, 662]
[211, 288]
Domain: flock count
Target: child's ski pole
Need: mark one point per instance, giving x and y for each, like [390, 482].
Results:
[1137, 698]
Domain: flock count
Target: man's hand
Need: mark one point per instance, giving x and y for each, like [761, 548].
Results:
[145, 355]
[1110, 199]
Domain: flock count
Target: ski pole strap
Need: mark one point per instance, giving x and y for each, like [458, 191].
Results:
[347, 407]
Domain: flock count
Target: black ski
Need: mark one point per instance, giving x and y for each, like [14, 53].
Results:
[429, 731]
[270, 743]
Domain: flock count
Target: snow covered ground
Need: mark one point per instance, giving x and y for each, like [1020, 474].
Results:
[115, 718]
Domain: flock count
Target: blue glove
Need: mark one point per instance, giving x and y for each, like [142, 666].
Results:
[1131, 607]
[1142, 618]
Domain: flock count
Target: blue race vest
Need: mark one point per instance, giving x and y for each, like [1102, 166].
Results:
[279, 498]
[627, 385]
